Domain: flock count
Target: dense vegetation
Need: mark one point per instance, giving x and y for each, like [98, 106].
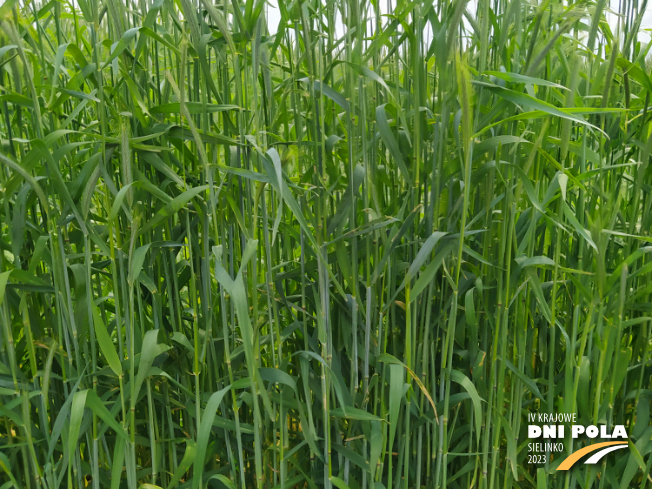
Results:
[318, 258]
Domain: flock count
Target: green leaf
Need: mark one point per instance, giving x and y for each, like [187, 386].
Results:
[535, 261]
[635, 72]
[95, 404]
[518, 78]
[542, 479]
[390, 141]
[538, 293]
[187, 460]
[424, 252]
[524, 100]
[121, 45]
[463, 380]
[172, 208]
[429, 273]
[205, 433]
[4, 278]
[511, 446]
[350, 412]
[578, 227]
[525, 379]
[117, 464]
[193, 108]
[224, 480]
[137, 261]
[396, 381]
[150, 350]
[6, 467]
[76, 416]
[105, 342]
[339, 483]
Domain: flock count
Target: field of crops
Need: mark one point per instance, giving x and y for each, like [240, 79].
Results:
[354, 251]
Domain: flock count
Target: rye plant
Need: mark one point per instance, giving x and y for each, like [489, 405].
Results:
[322, 256]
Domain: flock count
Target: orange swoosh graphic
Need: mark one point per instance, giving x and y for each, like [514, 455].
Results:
[575, 456]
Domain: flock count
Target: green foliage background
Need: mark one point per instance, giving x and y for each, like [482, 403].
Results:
[322, 257]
